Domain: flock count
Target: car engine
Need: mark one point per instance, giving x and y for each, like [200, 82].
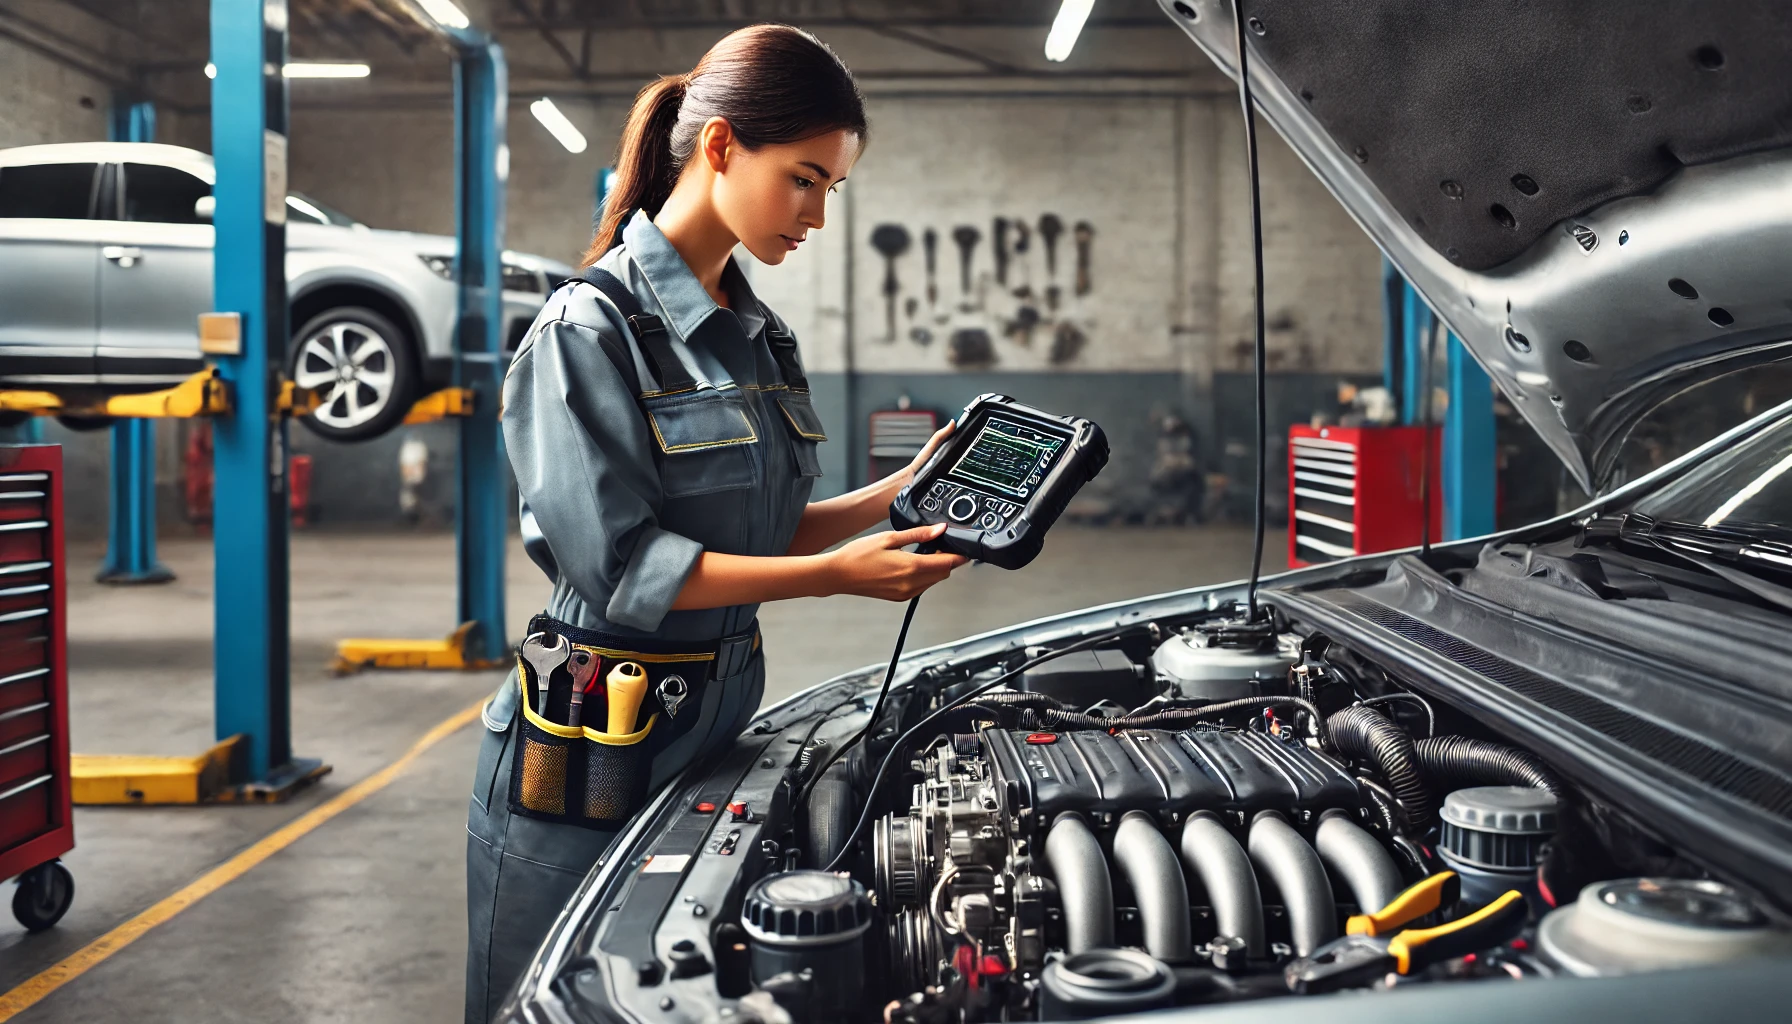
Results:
[1210, 813]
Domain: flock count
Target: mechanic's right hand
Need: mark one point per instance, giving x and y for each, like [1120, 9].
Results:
[876, 566]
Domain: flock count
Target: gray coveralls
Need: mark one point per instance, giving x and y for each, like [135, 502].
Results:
[618, 526]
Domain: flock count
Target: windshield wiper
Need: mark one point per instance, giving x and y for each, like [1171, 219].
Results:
[1737, 553]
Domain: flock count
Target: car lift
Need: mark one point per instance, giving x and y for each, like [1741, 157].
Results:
[1469, 457]
[481, 96]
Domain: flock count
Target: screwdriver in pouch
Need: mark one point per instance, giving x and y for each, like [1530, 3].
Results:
[1359, 959]
[627, 686]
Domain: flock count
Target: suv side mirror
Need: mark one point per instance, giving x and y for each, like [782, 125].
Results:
[205, 207]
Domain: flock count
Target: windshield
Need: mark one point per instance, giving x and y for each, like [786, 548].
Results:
[305, 208]
[1747, 485]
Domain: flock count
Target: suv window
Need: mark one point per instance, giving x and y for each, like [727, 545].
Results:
[164, 195]
[58, 191]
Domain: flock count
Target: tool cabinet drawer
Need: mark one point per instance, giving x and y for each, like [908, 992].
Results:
[32, 686]
[24, 760]
[24, 722]
[24, 540]
[26, 809]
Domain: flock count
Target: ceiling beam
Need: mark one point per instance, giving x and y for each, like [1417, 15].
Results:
[913, 38]
[579, 68]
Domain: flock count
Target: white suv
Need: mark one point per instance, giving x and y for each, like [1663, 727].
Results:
[106, 264]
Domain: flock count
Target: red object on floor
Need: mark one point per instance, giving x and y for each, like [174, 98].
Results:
[299, 480]
[1358, 490]
[37, 822]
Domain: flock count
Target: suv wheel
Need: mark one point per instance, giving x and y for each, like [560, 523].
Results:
[362, 368]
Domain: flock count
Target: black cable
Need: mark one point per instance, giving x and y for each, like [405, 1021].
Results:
[952, 705]
[1250, 145]
[1430, 716]
[877, 709]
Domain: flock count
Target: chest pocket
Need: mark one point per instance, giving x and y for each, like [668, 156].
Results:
[806, 433]
[706, 437]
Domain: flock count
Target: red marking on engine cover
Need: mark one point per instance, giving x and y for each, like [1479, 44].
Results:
[1042, 737]
[706, 808]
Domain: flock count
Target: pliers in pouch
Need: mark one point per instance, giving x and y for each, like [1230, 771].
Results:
[1379, 944]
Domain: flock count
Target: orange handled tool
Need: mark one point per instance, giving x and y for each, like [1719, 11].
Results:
[627, 683]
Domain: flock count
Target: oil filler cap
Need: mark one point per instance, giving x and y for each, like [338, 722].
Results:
[803, 908]
[1498, 828]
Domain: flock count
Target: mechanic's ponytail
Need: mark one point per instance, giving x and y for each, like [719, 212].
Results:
[773, 83]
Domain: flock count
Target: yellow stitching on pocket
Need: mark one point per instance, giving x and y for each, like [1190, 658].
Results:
[610, 739]
[606, 652]
[794, 425]
[699, 445]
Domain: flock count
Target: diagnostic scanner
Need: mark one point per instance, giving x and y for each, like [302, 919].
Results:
[1001, 480]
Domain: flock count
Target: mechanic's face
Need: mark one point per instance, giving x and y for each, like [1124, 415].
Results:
[773, 196]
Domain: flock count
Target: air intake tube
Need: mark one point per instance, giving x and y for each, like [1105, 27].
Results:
[1149, 864]
[1225, 872]
[1364, 734]
[1353, 855]
[1280, 852]
[1083, 884]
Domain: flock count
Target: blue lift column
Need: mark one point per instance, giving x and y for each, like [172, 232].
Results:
[1468, 459]
[131, 538]
[251, 654]
[481, 96]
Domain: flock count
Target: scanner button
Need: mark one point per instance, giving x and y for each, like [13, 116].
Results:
[991, 521]
[930, 504]
[962, 508]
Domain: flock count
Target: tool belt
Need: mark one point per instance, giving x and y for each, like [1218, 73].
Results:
[586, 743]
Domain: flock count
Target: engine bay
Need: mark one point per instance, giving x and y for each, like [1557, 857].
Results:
[1169, 815]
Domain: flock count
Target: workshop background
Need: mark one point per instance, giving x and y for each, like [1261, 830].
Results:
[1140, 303]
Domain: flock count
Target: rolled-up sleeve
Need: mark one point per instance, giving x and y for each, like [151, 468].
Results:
[582, 453]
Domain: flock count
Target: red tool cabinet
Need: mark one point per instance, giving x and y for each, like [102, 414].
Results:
[1358, 490]
[36, 813]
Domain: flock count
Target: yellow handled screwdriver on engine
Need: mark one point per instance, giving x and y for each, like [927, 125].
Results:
[627, 686]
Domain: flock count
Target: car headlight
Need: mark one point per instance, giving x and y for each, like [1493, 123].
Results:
[520, 279]
[442, 265]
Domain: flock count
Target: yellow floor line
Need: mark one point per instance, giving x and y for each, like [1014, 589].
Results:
[91, 955]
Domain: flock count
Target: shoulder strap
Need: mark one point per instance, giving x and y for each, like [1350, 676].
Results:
[649, 332]
[783, 348]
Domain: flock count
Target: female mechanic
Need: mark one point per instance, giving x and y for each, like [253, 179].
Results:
[664, 445]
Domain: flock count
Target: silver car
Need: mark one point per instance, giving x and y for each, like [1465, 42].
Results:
[106, 263]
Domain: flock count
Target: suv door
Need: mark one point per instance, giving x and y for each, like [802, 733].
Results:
[155, 277]
[49, 266]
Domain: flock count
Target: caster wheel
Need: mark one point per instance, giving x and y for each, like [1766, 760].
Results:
[43, 896]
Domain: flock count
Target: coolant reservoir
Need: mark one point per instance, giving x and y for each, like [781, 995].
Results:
[1226, 662]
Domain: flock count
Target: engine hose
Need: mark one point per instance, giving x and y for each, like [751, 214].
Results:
[1353, 855]
[1084, 887]
[1016, 698]
[1181, 716]
[1280, 852]
[1363, 733]
[1149, 864]
[1224, 870]
[1456, 761]
[830, 813]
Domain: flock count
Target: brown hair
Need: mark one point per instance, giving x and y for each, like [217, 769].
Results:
[773, 83]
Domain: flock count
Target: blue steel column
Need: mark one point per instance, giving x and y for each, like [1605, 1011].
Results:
[251, 659]
[481, 94]
[131, 537]
[1470, 467]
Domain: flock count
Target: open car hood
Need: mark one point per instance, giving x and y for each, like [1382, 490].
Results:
[1595, 196]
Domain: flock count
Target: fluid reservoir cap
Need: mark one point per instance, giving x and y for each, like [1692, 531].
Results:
[805, 908]
[1642, 924]
[1511, 810]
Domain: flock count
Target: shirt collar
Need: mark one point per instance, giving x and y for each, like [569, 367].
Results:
[679, 292]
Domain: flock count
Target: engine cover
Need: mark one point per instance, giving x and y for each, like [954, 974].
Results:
[1042, 775]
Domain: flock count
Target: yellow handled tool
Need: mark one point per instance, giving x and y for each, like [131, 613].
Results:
[627, 686]
[1433, 893]
[1356, 960]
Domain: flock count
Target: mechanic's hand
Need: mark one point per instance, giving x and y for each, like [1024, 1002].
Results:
[933, 443]
[876, 566]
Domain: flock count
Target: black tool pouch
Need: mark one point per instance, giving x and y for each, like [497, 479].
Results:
[586, 775]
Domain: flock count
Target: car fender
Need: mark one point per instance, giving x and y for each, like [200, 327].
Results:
[427, 299]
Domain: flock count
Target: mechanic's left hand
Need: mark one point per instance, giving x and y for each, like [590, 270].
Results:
[933, 443]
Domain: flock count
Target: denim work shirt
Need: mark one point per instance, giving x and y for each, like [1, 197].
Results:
[622, 491]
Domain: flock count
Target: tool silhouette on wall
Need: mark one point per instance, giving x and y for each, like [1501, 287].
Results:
[891, 241]
[996, 297]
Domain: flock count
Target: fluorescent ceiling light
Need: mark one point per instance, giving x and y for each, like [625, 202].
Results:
[312, 70]
[445, 13]
[326, 69]
[557, 125]
[1066, 27]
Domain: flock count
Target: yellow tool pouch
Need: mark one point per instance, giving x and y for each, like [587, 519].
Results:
[576, 774]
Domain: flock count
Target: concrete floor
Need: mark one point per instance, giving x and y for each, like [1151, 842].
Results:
[363, 919]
